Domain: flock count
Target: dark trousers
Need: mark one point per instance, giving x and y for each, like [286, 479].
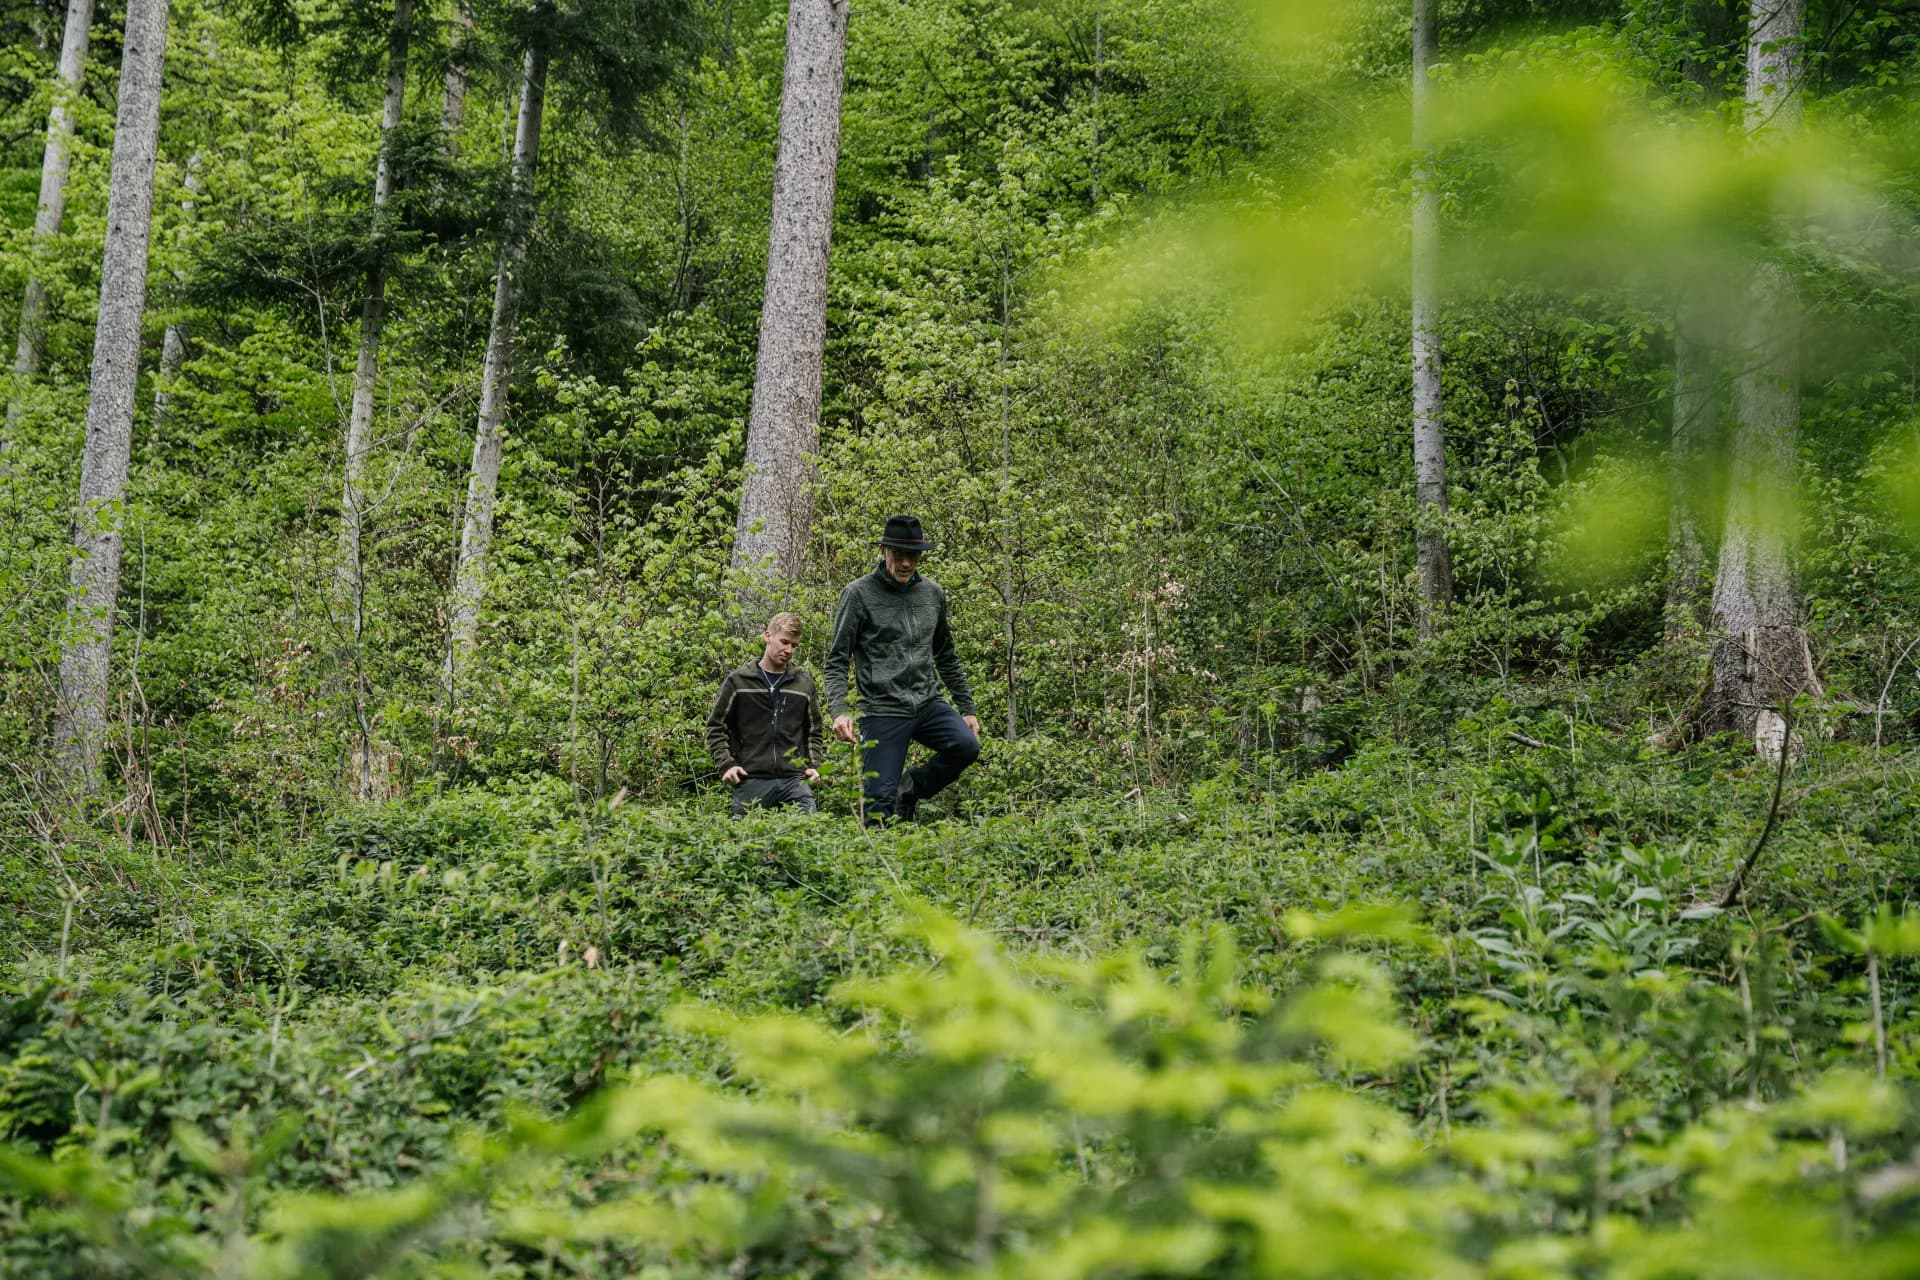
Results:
[937, 726]
[773, 793]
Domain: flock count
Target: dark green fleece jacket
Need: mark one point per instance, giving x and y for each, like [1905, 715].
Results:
[773, 732]
[900, 646]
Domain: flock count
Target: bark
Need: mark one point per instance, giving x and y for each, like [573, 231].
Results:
[1761, 656]
[366, 380]
[173, 344]
[783, 431]
[1429, 432]
[453, 109]
[483, 479]
[54, 165]
[86, 647]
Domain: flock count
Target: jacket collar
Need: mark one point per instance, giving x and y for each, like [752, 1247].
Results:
[880, 576]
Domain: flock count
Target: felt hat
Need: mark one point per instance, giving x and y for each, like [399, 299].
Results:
[904, 532]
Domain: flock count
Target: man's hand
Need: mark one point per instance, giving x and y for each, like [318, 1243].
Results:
[973, 723]
[813, 775]
[735, 776]
[843, 729]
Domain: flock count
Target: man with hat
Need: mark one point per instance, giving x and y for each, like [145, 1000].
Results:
[891, 625]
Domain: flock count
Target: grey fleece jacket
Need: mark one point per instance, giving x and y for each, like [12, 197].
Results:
[900, 645]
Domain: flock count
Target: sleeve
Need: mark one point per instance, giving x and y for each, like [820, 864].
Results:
[847, 619]
[947, 659]
[719, 744]
[816, 733]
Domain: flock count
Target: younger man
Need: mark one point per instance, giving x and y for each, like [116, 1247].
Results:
[765, 731]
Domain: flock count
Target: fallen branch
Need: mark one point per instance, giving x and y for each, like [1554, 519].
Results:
[1739, 883]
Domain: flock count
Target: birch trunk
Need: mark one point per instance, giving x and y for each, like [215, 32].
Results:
[173, 343]
[783, 431]
[1429, 432]
[54, 165]
[80, 715]
[1761, 657]
[483, 481]
[366, 381]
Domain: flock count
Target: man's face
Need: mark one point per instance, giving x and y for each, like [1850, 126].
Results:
[901, 565]
[780, 647]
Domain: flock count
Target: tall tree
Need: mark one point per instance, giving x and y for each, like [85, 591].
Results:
[54, 164]
[1429, 432]
[483, 479]
[1761, 657]
[783, 429]
[87, 645]
[366, 377]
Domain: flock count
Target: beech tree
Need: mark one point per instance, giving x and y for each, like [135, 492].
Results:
[54, 164]
[1429, 431]
[366, 377]
[1761, 657]
[87, 645]
[783, 430]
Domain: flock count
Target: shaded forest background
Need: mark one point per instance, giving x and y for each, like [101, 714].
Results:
[1174, 553]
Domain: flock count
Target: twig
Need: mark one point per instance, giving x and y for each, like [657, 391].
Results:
[1732, 894]
[1880, 707]
[1525, 741]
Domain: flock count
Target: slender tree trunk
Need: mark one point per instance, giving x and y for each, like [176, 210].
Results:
[1006, 502]
[1761, 656]
[80, 715]
[1429, 432]
[783, 431]
[173, 343]
[483, 481]
[453, 110]
[54, 164]
[366, 381]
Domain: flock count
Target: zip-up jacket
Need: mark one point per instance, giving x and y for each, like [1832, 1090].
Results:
[767, 722]
[897, 638]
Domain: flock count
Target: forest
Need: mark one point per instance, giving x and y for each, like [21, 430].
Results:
[1425, 498]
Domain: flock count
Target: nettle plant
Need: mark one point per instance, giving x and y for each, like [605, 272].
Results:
[967, 1115]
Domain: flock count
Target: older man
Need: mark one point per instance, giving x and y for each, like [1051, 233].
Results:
[891, 626]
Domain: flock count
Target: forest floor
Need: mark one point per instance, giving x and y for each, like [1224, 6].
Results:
[346, 1011]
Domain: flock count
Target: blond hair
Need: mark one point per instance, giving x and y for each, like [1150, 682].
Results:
[781, 623]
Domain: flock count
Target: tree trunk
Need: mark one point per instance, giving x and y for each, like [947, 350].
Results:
[173, 343]
[783, 432]
[1761, 657]
[1429, 433]
[469, 582]
[366, 379]
[453, 110]
[54, 164]
[86, 647]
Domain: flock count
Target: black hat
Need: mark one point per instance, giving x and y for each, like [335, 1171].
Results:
[904, 532]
